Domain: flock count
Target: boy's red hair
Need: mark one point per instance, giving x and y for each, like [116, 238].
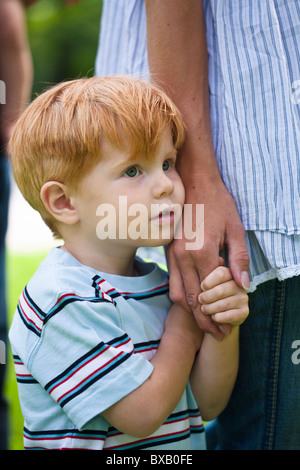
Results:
[59, 136]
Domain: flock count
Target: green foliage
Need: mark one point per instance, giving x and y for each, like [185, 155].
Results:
[19, 269]
[63, 40]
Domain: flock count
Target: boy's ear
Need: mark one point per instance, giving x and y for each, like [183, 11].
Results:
[56, 199]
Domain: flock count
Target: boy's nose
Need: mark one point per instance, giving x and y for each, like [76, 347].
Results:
[162, 185]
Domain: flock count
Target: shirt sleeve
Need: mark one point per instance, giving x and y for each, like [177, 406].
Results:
[86, 361]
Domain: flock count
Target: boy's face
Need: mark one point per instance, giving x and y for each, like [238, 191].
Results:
[131, 203]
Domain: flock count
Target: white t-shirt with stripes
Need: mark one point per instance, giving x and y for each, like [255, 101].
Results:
[81, 341]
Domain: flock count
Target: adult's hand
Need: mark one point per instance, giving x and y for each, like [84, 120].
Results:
[221, 227]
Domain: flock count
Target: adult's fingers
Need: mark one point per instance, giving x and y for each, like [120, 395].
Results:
[238, 255]
[185, 289]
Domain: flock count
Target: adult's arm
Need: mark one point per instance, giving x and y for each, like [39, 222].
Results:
[15, 64]
[178, 62]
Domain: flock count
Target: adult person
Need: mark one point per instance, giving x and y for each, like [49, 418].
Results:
[253, 64]
[16, 79]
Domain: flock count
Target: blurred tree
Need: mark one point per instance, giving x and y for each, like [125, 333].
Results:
[63, 40]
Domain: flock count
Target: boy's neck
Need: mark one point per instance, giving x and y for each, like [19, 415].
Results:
[114, 262]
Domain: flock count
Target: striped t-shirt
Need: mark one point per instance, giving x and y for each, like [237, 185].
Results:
[254, 79]
[82, 340]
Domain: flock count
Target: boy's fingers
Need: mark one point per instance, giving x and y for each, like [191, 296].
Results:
[225, 304]
[235, 316]
[219, 292]
[218, 276]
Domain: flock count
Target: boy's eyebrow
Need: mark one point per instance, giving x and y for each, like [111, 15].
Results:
[133, 160]
[172, 153]
[123, 164]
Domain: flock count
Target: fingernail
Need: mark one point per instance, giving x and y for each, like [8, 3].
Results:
[202, 286]
[245, 280]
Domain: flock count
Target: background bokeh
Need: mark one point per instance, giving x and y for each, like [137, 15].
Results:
[63, 41]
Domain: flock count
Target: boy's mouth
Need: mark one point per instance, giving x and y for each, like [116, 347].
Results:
[166, 216]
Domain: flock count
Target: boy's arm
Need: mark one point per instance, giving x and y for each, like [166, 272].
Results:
[142, 411]
[215, 368]
[214, 373]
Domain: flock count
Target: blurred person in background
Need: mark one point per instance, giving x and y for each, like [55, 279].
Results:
[16, 73]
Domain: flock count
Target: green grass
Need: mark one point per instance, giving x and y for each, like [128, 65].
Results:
[20, 268]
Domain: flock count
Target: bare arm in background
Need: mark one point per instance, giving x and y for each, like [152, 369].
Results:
[16, 69]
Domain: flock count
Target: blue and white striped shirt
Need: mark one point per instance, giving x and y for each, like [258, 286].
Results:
[254, 76]
[82, 340]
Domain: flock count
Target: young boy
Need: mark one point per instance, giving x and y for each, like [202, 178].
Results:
[103, 360]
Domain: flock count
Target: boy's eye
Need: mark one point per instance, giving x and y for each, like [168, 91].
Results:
[131, 172]
[166, 165]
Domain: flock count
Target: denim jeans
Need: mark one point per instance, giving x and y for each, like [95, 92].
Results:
[264, 410]
[4, 198]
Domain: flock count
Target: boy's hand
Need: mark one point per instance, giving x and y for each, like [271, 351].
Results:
[222, 298]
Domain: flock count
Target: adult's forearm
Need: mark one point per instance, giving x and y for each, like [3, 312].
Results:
[178, 62]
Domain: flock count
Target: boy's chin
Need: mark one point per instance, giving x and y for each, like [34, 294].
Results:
[152, 243]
